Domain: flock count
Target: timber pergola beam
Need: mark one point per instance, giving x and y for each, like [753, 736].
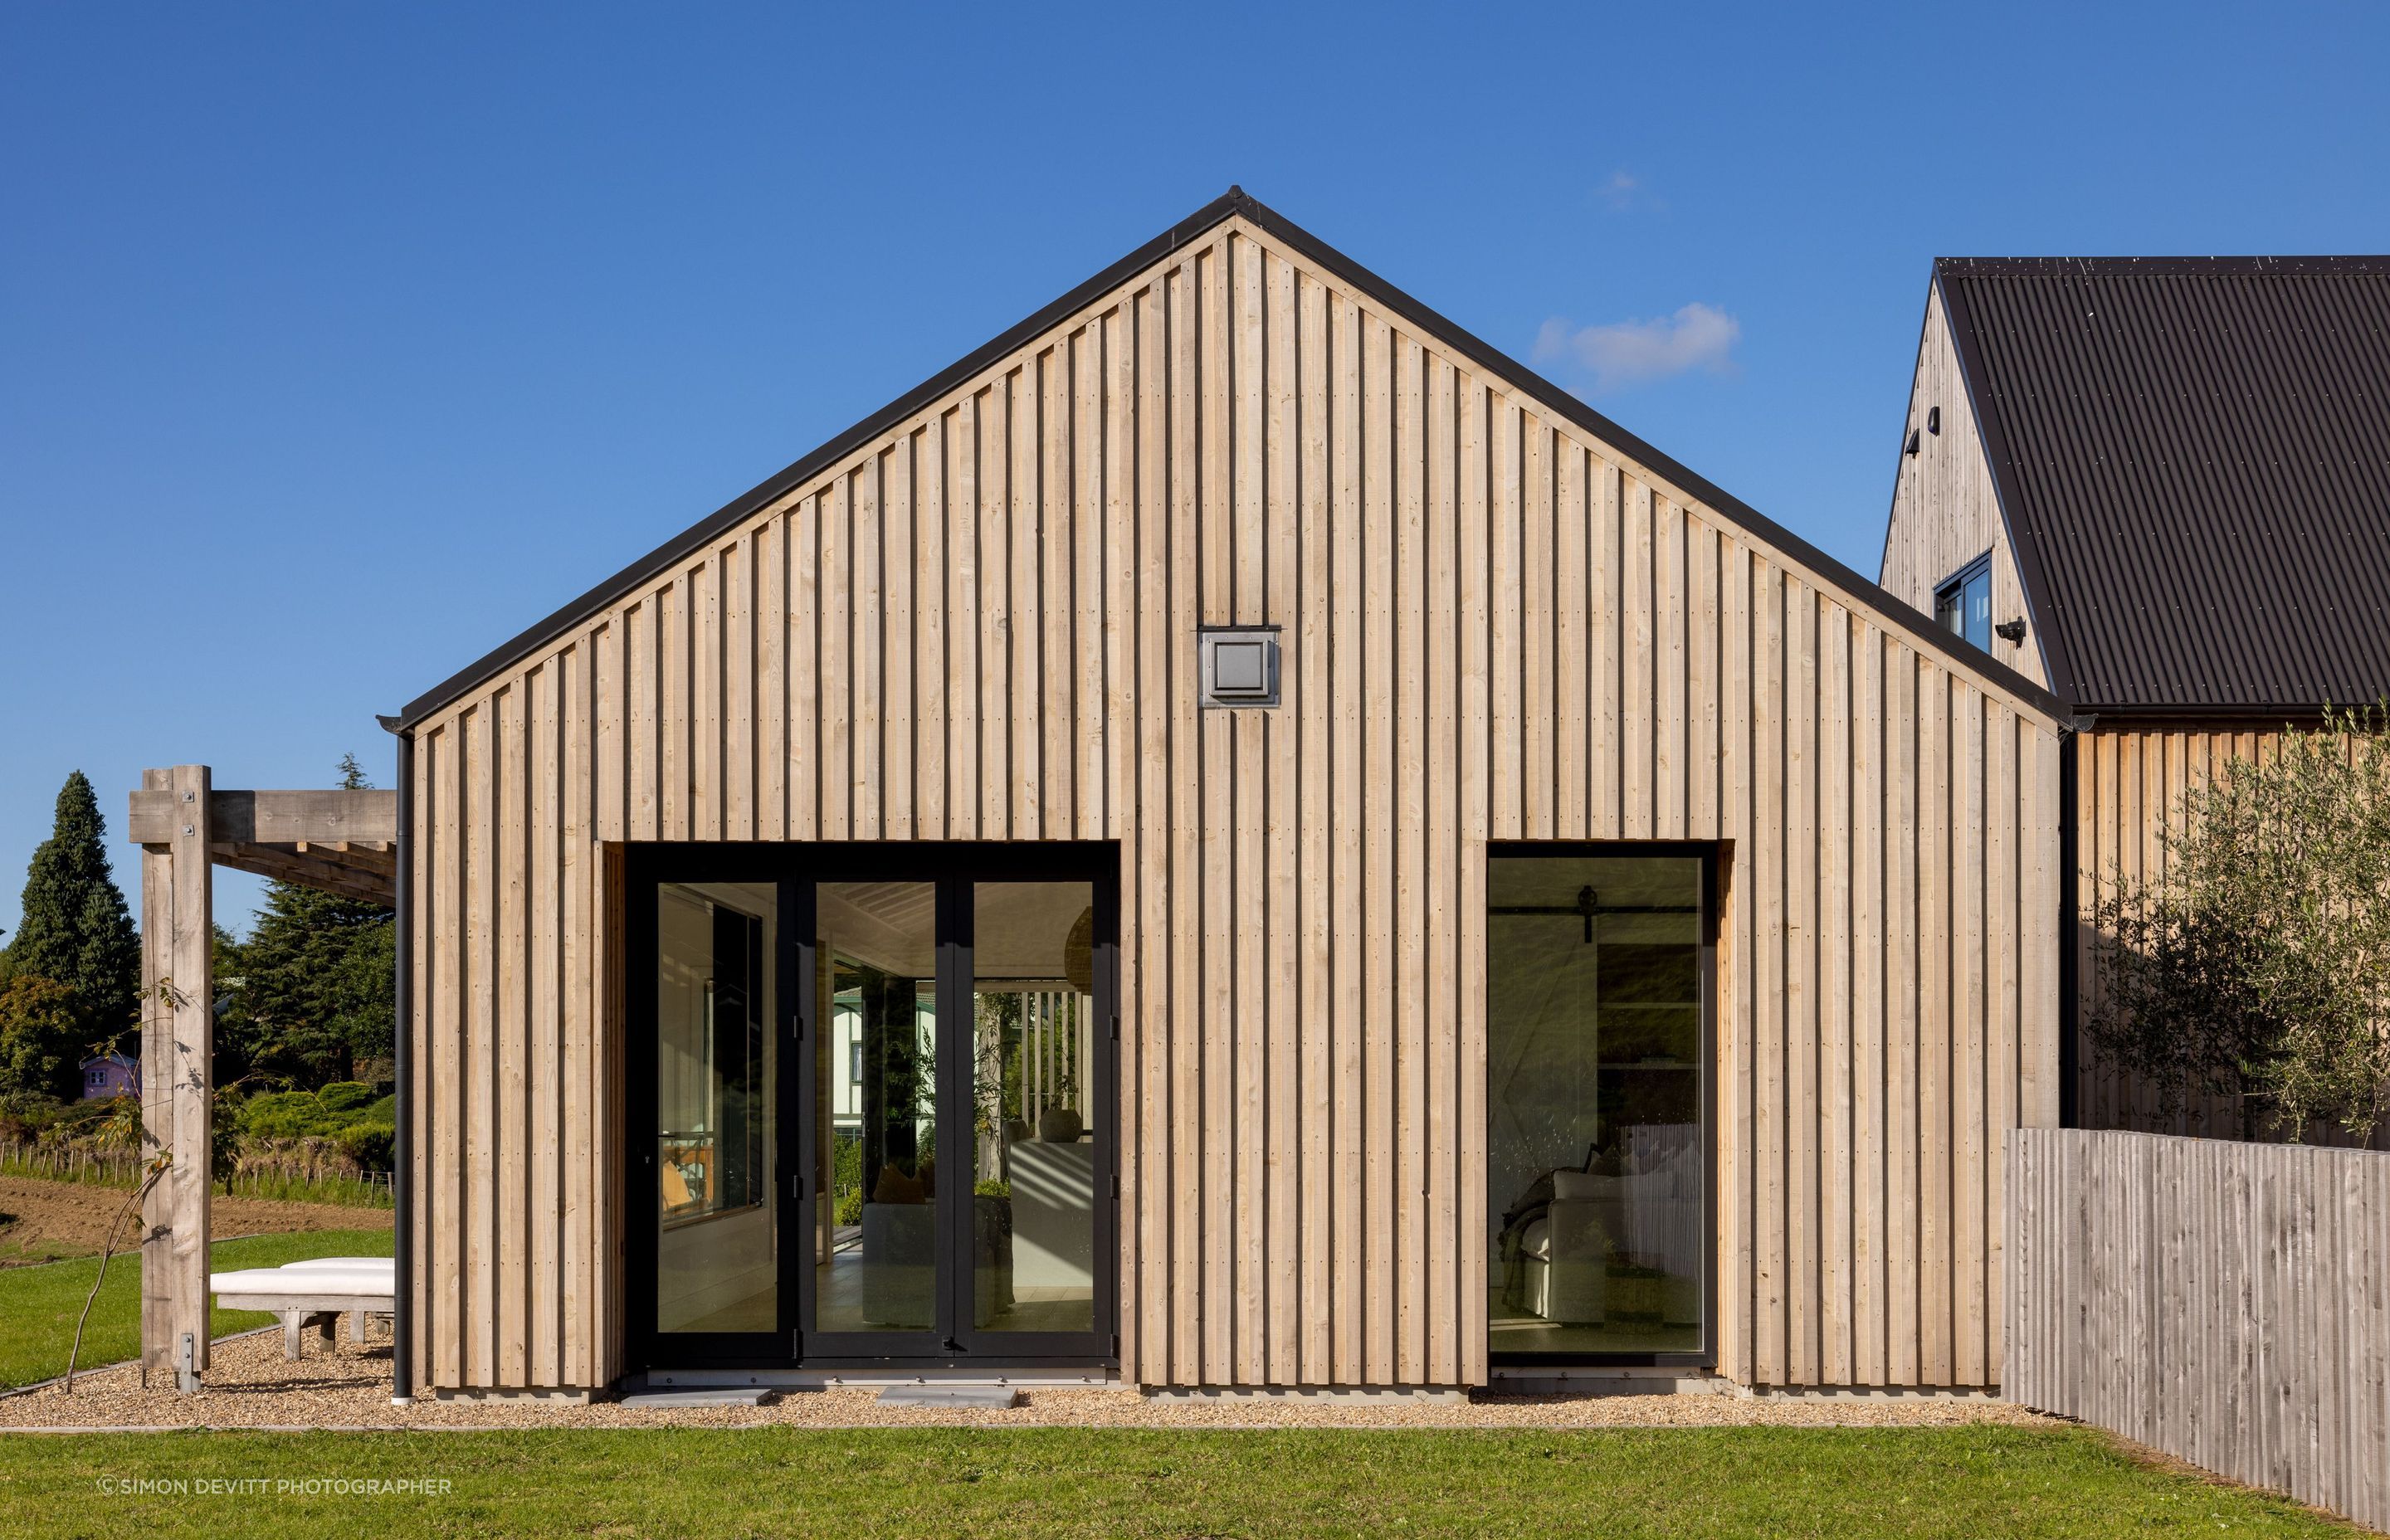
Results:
[342, 843]
[273, 818]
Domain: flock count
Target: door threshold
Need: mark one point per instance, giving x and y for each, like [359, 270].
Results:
[871, 1378]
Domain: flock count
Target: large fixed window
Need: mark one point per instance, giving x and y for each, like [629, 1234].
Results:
[710, 1083]
[1964, 603]
[1598, 1143]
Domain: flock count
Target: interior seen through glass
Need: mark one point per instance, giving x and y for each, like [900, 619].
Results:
[717, 1252]
[877, 1228]
[1597, 1150]
[1030, 1157]
[1033, 1034]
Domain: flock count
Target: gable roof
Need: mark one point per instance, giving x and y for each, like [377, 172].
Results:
[1234, 203]
[2192, 456]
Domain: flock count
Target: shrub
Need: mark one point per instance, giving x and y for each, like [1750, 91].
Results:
[344, 1096]
[281, 1115]
[25, 1114]
[370, 1145]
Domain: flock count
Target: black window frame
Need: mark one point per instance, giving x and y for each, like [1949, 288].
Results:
[1714, 858]
[955, 866]
[1954, 588]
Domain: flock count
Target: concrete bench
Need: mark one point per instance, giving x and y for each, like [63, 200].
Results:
[315, 1292]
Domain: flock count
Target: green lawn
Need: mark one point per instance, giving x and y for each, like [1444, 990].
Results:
[1051, 1483]
[38, 1305]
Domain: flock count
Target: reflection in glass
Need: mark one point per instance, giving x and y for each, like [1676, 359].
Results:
[1964, 604]
[877, 1229]
[1033, 1047]
[716, 1256]
[1597, 1155]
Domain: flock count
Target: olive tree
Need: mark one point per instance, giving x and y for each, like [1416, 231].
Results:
[2255, 964]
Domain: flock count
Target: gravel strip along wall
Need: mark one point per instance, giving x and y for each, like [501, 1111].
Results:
[252, 1385]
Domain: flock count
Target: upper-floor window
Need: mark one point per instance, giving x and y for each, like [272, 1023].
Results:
[1964, 603]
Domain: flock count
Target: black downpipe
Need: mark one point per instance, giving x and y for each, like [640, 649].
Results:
[2070, 1025]
[402, 1184]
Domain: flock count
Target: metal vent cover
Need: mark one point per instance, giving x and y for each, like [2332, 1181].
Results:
[1236, 665]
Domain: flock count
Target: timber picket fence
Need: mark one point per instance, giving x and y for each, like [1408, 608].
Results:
[2222, 1302]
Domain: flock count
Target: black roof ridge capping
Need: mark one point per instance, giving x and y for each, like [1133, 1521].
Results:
[2162, 266]
[2197, 483]
[1234, 203]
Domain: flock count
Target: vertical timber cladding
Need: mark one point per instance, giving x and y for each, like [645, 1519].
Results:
[1946, 510]
[983, 627]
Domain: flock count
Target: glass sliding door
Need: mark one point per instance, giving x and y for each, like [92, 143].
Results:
[958, 1103]
[709, 1155]
[1033, 1004]
[870, 1115]
[1598, 1154]
[878, 1235]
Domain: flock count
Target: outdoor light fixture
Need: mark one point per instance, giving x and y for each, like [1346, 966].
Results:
[2010, 630]
[1933, 421]
[1238, 666]
[1910, 447]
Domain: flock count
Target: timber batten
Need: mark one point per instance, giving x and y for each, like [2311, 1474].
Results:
[978, 624]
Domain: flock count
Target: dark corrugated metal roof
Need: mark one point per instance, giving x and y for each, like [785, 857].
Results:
[2193, 458]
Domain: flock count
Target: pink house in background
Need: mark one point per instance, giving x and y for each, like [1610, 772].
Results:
[110, 1074]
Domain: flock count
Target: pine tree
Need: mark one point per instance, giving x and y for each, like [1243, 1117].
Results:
[76, 930]
[315, 991]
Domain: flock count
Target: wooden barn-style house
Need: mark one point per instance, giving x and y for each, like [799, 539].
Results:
[1236, 837]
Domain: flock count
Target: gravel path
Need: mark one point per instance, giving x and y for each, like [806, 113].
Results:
[252, 1385]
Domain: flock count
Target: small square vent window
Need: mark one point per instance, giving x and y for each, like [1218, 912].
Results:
[1239, 664]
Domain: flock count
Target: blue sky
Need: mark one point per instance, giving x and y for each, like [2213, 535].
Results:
[339, 342]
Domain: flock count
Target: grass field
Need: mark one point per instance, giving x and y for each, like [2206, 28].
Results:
[1054, 1482]
[38, 1305]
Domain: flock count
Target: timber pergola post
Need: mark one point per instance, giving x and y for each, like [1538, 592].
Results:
[343, 843]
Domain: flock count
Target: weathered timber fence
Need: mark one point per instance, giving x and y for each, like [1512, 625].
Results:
[2225, 1303]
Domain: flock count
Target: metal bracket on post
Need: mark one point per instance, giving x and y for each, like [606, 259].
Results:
[187, 1368]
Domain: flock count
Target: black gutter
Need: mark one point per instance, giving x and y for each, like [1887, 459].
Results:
[2194, 710]
[2070, 1024]
[1915, 626]
[402, 1184]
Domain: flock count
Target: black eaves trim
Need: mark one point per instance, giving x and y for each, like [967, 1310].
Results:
[1236, 202]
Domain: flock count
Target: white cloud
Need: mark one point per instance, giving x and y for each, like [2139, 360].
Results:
[1620, 190]
[1629, 352]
